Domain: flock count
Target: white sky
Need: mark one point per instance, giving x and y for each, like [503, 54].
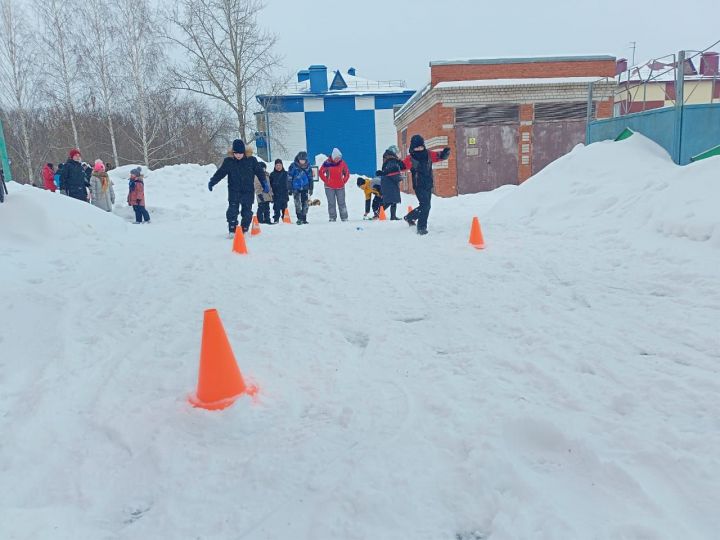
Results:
[397, 39]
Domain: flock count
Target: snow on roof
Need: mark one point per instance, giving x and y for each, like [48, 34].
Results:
[355, 85]
[524, 59]
[517, 82]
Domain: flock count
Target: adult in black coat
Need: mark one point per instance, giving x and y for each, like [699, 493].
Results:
[281, 194]
[241, 171]
[73, 181]
[390, 181]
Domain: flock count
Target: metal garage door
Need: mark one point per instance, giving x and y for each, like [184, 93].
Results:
[557, 129]
[487, 144]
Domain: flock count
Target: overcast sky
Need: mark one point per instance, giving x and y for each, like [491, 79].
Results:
[397, 39]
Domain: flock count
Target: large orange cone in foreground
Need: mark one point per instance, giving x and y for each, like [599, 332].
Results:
[255, 227]
[381, 214]
[286, 217]
[239, 242]
[220, 382]
[476, 235]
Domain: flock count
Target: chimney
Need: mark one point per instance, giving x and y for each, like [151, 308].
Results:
[709, 64]
[303, 75]
[351, 71]
[621, 66]
[318, 79]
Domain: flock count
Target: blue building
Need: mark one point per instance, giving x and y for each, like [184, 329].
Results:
[323, 110]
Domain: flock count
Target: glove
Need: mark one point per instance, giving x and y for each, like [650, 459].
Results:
[445, 153]
[210, 186]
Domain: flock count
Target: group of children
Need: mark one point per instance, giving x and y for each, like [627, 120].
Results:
[77, 179]
[249, 179]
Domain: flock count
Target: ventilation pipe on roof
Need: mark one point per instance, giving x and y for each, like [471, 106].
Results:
[709, 64]
[351, 71]
[318, 79]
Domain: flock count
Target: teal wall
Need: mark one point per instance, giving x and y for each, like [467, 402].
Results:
[700, 129]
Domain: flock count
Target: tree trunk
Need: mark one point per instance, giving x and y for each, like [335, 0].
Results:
[111, 128]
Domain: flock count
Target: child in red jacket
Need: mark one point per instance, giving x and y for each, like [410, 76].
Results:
[136, 196]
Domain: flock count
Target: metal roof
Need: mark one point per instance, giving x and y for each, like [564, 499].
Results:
[528, 60]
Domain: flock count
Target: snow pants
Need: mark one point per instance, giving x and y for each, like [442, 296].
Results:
[336, 197]
[301, 204]
[236, 201]
[422, 212]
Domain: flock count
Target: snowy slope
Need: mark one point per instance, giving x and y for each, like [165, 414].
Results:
[562, 384]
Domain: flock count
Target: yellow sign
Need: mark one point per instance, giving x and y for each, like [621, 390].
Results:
[472, 140]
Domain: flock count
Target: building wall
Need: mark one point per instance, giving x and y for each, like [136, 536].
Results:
[437, 126]
[662, 94]
[287, 134]
[434, 116]
[361, 126]
[471, 72]
[385, 134]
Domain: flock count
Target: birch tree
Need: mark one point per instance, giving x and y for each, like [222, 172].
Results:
[230, 58]
[100, 54]
[17, 76]
[58, 39]
[142, 59]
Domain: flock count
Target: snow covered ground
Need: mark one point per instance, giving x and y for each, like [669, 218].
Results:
[562, 384]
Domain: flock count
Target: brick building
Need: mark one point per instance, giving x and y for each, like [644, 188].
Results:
[505, 119]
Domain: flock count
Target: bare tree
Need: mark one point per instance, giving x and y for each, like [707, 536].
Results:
[58, 40]
[231, 59]
[17, 76]
[100, 52]
[142, 59]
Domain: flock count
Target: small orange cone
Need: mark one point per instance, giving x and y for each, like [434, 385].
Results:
[220, 382]
[286, 217]
[239, 242]
[410, 209]
[255, 227]
[476, 235]
[381, 214]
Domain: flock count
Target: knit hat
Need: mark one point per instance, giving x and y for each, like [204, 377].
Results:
[99, 166]
[336, 154]
[238, 147]
[393, 150]
[136, 171]
[74, 152]
[416, 141]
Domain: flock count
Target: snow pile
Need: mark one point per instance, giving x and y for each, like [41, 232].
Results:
[620, 188]
[562, 384]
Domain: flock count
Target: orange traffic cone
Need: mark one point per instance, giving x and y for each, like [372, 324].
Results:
[476, 235]
[239, 242]
[381, 214]
[255, 227]
[220, 382]
[410, 209]
[286, 217]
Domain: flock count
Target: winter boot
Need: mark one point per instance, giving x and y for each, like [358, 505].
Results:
[422, 231]
[409, 221]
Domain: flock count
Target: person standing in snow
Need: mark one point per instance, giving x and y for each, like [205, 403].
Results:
[241, 172]
[73, 181]
[136, 196]
[371, 187]
[102, 193]
[263, 199]
[390, 180]
[56, 177]
[279, 188]
[48, 174]
[300, 179]
[420, 163]
[334, 173]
